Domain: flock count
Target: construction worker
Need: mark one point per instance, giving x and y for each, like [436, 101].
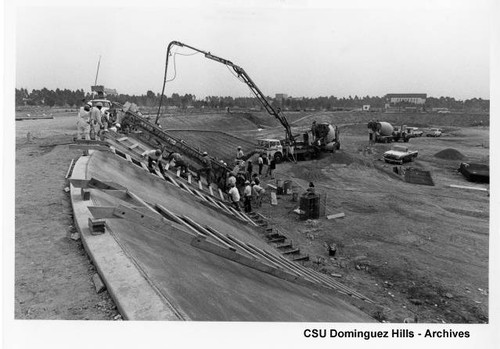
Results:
[154, 158]
[314, 129]
[235, 197]
[96, 120]
[82, 124]
[257, 193]
[265, 162]
[247, 197]
[260, 162]
[206, 169]
[249, 169]
[239, 154]
[176, 160]
[271, 168]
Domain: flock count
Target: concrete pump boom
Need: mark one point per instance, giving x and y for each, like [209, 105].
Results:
[241, 74]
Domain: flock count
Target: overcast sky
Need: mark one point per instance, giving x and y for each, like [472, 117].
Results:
[301, 48]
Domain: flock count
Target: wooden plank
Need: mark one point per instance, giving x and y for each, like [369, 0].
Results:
[189, 178]
[467, 188]
[122, 139]
[69, 168]
[141, 201]
[221, 194]
[337, 215]
[200, 195]
[113, 149]
[177, 219]
[171, 179]
[144, 166]
[88, 147]
[178, 173]
[128, 157]
[241, 259]
[219, 234]
[184, 186]
[200, 186]
[211, 190]
[135, 145]
[209, 233]
[242, 246]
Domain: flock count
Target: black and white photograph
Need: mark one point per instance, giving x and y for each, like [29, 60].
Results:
[233, 174]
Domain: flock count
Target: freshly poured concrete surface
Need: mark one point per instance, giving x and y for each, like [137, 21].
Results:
[198, 285]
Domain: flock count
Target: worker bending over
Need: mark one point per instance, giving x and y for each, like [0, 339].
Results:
[154, 158]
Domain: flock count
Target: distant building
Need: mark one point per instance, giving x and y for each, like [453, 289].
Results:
[413, 98]
[281, 96]
[405, 101]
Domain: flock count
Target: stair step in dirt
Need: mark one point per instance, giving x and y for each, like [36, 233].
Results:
[284, 246]
[301, 258]
[294, 251]
[281, 238]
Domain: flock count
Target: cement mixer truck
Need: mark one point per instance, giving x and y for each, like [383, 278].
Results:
[384, 132]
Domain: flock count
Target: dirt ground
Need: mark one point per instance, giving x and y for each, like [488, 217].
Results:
[53, 274]
[418, 251]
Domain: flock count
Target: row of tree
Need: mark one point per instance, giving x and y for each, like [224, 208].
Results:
[68, 98]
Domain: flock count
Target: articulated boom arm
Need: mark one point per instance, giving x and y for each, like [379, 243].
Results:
[243, 76]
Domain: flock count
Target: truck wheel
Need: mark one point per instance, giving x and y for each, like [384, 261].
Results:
[278, 157]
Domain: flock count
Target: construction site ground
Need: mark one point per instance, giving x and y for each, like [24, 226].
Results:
[417, 251]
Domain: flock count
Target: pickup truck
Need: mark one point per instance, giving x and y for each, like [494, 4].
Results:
[399, 154]
[414, 132]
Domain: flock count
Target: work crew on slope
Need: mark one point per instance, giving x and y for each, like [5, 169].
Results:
[247, 197]
[82, 124]
[154, 158]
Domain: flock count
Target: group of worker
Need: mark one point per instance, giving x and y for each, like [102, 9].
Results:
[251, 190]
[174, 160]
[91, 121]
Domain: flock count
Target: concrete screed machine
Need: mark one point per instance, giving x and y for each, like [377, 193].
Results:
[324, 137]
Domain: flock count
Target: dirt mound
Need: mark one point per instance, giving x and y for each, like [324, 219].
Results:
[450, 154]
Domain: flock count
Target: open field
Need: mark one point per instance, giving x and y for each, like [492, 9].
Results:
[416, 250]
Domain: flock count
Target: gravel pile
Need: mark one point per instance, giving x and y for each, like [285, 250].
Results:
[450, 154]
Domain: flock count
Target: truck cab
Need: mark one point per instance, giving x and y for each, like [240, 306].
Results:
[271, 147]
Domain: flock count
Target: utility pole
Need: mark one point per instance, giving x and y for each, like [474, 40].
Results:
[97, 74]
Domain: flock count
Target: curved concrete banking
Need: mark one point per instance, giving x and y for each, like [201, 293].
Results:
[153, 275]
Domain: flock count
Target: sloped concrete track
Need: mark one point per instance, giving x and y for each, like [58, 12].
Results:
[153, 274]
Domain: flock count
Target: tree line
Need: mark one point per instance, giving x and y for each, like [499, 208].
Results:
[69, 98]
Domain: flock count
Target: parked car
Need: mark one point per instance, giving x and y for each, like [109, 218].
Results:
[434, 132]
[399, 155]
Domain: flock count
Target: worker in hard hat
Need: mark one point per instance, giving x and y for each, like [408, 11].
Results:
[239, 154]
[82, 124]
[206, 169]
[247, 197]
[176, 160]
[154, 159]
[96, 120]
[234, 194]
